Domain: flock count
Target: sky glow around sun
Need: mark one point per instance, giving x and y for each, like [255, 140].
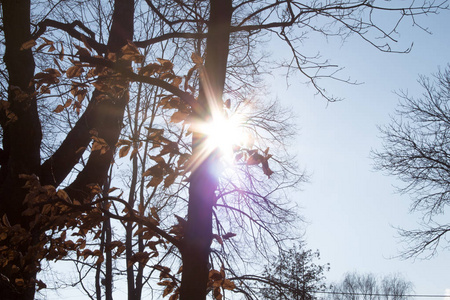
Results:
[224, 133]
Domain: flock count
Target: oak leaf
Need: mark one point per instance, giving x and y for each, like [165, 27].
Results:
[178, 117]
[165, 63]
[58, 109]
[28, 44]
[124, 151]
[170, 179]
[228, 235]
[74, 71]
[228, 285]
[196, 59]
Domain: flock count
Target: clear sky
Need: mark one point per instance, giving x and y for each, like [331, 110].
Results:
[352, 210]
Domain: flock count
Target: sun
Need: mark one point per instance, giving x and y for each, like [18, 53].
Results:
[225, 132]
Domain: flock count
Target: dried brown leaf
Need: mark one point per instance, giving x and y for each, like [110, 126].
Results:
[28, 44]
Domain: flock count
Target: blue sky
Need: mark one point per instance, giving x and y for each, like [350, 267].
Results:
[352, 210]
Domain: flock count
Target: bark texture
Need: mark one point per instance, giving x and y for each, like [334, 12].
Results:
[21, 139]
[203, 180]
[20, 153]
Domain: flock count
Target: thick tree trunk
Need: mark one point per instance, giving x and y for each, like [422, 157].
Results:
[22, 137]
[21, 142]
[106, 116]
[203, 181]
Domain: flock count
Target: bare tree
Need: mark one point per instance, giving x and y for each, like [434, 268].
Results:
[356, 286]
[416, 149]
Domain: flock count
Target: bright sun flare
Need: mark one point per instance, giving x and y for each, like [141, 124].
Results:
[224, 133]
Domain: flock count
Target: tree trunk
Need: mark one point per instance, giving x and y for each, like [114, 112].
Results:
[21, 142]
[108, 116]
[105, 116]
[203, 180]
[22, 137]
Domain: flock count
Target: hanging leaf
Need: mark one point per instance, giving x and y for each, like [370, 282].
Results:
[63, 195]
[112, 189]
[170, 148]
[167, 75]
[165, 283]
[94, 188]
[123, 142]
[47, 41]
[137, 58]
[134, 153]
[265, 167]
[168, 290]
[176, 81]
[255, 159]
[57, 64]
[188, 77]
[19, 282]
[82, 51]
[196, 59]
[154, 213]
[44, 89]
[149, 69]
[228, 235]
[77, 107]
[124, 151]
[99, 144]
[167, 64]
[130, 48]
[5, 220]
[85, 42]
[112, 56]
[156, 180]
[174, 296]
[217, 294]
[228, 285]
[27, 45]
[165, 102]
[100, 260]
[61, 54]
[74, 71]
[41, 285]
[228, 103]
[178, 117]
[58, 109]
[218, 239]
[182, 159]
[158, 159]
[170, 179]
[68, 102]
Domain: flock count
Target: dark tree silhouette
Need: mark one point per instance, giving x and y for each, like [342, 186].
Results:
[416, 149]
[356, 286]
[294, 275]
[22, 139]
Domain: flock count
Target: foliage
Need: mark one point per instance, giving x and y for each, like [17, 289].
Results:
[416, 150]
